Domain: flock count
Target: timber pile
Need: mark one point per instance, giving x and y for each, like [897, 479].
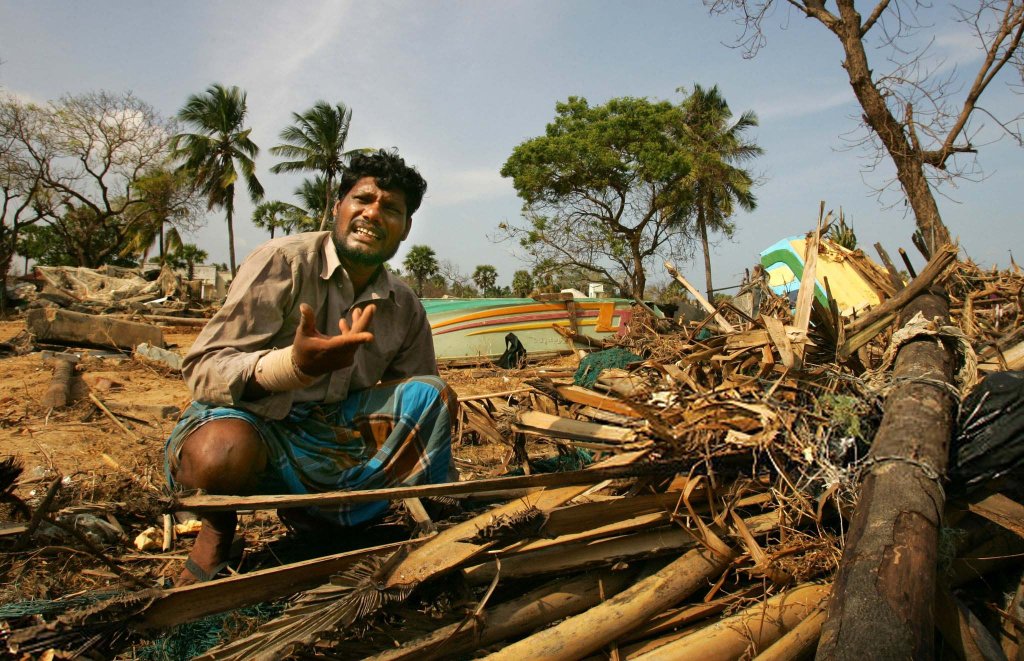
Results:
[744, 466]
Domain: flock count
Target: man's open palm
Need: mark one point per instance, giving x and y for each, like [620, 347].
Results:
[316, 353]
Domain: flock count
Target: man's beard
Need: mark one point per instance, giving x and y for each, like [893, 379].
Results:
[359, 257]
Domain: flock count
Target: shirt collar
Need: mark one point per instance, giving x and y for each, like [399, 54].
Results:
[381, 286]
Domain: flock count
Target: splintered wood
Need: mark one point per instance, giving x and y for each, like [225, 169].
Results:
[696, 504]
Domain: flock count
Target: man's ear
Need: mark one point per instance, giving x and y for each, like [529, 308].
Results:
[337, 206]
[408, 227]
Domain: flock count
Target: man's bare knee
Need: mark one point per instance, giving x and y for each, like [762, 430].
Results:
[223, 456]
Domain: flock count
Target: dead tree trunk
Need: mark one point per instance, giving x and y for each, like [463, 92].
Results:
[884, 595]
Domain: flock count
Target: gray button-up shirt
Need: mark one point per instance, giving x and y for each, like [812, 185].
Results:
[261, 313]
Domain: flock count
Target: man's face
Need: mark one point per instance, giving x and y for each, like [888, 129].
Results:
[370, 223]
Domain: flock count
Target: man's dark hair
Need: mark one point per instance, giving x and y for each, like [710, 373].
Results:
[391, 173]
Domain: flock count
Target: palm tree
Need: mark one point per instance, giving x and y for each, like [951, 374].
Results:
[190, 254]
[421, 264]
[717, 147]
[219, 148]
[522, 283]
[313, 193]
[316, 142]
[276, 214]
[484, 277]
[169, 203]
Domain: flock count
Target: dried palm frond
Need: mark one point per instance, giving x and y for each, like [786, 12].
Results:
[348, 598]
[504, 528]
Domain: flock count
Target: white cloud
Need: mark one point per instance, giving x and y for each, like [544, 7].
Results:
[791, 106]
[461, 186]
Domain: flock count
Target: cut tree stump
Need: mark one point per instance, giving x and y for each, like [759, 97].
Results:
[75, 328]
[884, 596]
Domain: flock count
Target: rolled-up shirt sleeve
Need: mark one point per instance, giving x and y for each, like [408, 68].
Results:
[223, 358]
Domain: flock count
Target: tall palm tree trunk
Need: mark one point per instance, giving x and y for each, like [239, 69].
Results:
[327, 203]
[702, 226]
[229, 207]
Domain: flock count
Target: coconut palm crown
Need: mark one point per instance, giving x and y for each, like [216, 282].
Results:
[218, 149]
[315, 142]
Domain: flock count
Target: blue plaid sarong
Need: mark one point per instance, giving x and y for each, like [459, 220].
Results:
[394, 434]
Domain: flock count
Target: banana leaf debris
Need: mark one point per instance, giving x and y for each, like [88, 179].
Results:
[763, 482]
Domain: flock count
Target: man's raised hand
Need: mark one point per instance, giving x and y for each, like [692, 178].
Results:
[315, 353]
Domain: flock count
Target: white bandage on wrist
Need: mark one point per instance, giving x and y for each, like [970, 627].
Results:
[277, 372]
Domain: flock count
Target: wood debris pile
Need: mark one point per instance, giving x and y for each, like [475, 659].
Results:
[726, 473]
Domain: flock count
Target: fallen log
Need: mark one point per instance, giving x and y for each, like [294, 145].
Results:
[75, 328]
[59, 390]
[885, 586]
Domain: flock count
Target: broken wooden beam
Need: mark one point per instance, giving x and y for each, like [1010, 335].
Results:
[545, 424]
[593, 475]
[722, 322]
[75, 328]
[860, 331]
[885, 586]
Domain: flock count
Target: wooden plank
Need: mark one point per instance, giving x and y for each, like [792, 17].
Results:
[545, 424]
[451, 549]
[66, 327]
[578, 395]
[726, 326]
[781, 341]
[808, 283]
[1001, 510]
[894, 274]
[185, 604]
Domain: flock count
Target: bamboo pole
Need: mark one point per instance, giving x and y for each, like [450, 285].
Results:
[799, 642]
[556, 600]
[749, 630]
[590, 631]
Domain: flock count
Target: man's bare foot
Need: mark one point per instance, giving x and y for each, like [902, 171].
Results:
[211, 550]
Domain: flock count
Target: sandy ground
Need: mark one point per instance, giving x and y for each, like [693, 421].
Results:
[79, 441]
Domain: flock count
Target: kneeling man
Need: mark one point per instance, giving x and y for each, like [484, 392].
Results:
[318, 373]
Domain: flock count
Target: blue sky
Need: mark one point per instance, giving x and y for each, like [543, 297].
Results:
[455, 86]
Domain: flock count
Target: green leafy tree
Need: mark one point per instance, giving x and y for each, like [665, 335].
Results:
[420, 263]
[277, 215]
[484, 277]
[44, 243]
[602, 189]
[717, 146]
[22, 201]
[218, 150]
[316, 142]
[522, 283]
[80, 164]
